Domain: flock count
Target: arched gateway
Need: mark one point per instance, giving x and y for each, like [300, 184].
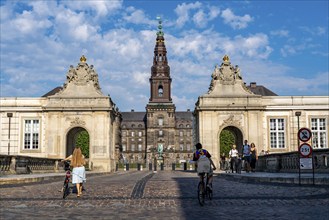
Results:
[81, 106]
[71, 139]
[238, 137]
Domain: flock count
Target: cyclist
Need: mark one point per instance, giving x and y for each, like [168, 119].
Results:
[204, 162]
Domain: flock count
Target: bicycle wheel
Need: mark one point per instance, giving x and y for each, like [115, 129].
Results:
[209, 193]
[66, 190]
[201, 194]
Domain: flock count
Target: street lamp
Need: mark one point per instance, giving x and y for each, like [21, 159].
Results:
[9, 115]
[298, 114]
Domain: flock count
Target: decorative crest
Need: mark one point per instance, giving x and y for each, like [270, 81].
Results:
[83, 59]
[226, 58]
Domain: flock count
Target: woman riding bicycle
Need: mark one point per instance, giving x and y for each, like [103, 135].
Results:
[204, 162]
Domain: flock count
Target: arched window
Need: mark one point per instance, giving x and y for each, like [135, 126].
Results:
[160, 91]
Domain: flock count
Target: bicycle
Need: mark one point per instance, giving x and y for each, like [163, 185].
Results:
[203, 189]
[66, 185]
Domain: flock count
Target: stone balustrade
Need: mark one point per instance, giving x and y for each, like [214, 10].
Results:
[289, 162]
[11, 164]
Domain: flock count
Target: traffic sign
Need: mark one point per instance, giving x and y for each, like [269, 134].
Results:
[305, 150]
[305, 163]
[304, 134]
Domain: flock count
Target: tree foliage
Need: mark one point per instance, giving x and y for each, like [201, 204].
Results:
[226, 141]
[83, 141]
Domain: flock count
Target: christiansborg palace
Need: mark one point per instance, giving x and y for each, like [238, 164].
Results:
[48, 126]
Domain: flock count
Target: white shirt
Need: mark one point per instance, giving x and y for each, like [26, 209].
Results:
[233, 153]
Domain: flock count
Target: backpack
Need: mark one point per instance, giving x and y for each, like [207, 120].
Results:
[203, 162]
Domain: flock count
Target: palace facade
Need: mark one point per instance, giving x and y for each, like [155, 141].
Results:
[48, 126]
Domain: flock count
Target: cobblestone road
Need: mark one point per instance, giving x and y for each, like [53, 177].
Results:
[163, 195]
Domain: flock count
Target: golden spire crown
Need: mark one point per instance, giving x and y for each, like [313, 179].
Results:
[226, 58]
[83, 59]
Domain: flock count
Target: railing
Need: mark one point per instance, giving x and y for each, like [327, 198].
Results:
[24, 165]
[289, 162]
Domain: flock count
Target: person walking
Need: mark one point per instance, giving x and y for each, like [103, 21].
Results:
[246, 155]
[233, 154]
[254, 157]
[78, 173]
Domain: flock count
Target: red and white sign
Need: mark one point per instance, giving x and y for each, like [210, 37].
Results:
[304, 134]
[305, 150]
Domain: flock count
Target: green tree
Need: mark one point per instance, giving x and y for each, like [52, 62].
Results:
[83, 141]
[226, 141]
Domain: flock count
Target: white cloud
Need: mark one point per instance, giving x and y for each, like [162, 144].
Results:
[100, 8]
[236, 22]
[141, 79]
[201, 17]
[280, 33]
[182, 12]
[137, 16]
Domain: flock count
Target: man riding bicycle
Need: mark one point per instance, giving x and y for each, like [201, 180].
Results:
[204, 162]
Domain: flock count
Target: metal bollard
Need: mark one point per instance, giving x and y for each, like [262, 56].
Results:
[161, 166]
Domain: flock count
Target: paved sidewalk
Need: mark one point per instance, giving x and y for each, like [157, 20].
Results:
[290, 178]
[260, 177]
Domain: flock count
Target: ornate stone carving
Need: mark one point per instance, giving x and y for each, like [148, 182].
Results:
[82, 75]
[77, 122]
[226, 74]
[231, 120]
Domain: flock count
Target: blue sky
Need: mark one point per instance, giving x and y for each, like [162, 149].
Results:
[282, 45]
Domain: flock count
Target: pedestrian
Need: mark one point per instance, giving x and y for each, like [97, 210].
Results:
[204, 163]
[78, 173]
[246, 155]
[254, 157]
[222, 161]
[233, 154]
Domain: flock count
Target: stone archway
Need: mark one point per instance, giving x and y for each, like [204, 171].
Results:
[71, 138]
[238, 136]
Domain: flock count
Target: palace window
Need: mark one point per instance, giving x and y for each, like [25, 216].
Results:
[188, 146]
[160, 133]
[181, 147]
[140, 134]
[319, 132]
[132, 147]
[139, 147]
[124, 148]
[132, 133]
[181, 133]
[277, 131]
[31, 134]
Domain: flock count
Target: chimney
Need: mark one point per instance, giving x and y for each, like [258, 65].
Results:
[132, 110]
[188, 109]
[253, 85]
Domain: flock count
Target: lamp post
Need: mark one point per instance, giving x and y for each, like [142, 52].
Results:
[298, 114]
[9, 115]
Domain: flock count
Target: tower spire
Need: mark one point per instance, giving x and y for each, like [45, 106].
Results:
[160, 80]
